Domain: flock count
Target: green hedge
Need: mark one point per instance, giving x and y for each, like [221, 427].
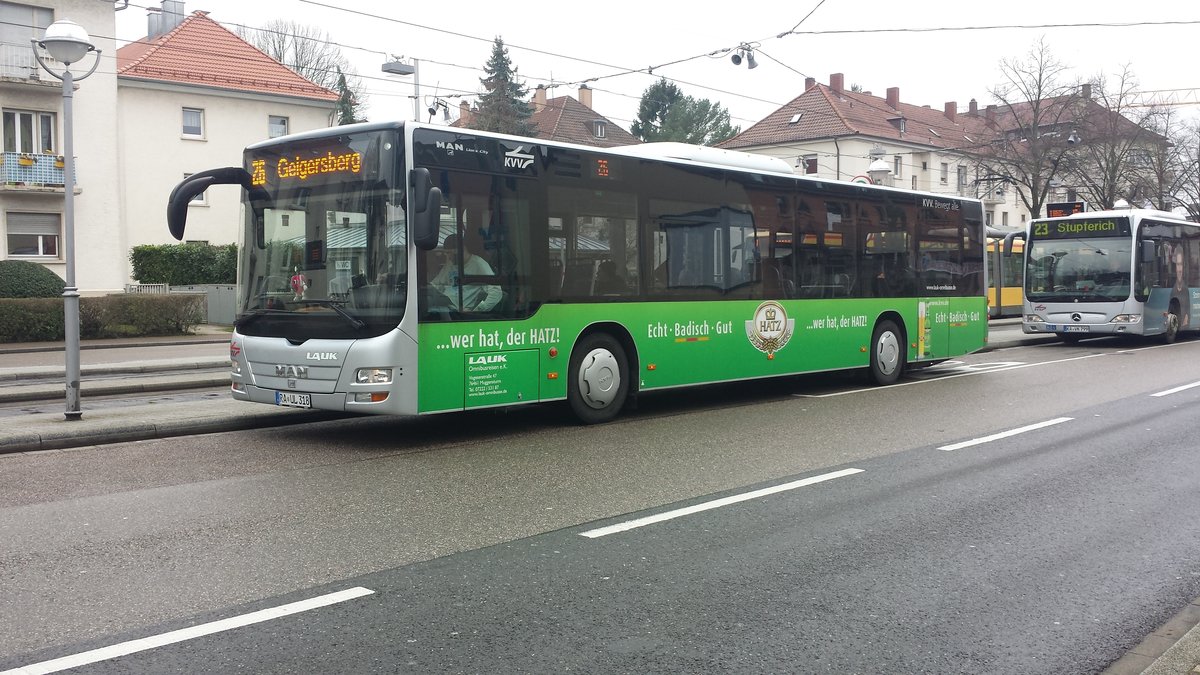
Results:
[41, 319]
[25, 279]
[184, 264]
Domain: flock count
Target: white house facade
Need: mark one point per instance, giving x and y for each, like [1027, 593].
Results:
[188, 97]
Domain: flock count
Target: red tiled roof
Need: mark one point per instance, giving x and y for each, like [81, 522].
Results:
[202, 52]
[565, 119]
[826, 113]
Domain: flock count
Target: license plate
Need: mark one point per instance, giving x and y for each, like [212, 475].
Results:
[292, 399]
[1076, 329]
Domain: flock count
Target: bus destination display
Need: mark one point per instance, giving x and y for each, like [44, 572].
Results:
[1075, 229]
[298, 168]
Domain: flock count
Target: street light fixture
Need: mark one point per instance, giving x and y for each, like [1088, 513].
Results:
[67, 42]
[401, 68]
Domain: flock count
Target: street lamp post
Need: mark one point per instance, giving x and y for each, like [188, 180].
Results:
[67, 42]
[401, 68]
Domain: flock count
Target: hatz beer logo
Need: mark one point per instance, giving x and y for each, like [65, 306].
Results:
[517, 158]
[770, 329]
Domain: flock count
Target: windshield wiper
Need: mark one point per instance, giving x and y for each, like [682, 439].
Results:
[255, 315]
[353, 320]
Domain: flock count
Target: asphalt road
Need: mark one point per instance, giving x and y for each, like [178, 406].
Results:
[1053, 550]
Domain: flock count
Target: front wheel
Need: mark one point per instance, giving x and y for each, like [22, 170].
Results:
[887, 353]
[598, 379]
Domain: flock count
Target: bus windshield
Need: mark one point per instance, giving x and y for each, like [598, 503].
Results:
[323, 250]
[1086, 269]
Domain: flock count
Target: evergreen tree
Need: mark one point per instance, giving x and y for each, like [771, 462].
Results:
[502, 107]
[666, 114]
[348, 107]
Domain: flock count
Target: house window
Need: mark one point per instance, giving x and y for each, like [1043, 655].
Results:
[1004, 218]
[897, 165]
[29, 131]
[989, 218]
[277, 125]
[200, 199]
[809, 162]
[962, 176]
[945, 173]
[600, 130]
[34, 235]
[18, 25]
[193, 123]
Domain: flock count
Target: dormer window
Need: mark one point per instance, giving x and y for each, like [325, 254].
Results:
[900, 123]
[599, 128]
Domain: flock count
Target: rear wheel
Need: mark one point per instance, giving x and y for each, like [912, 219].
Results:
[887, 353]
[599, 379]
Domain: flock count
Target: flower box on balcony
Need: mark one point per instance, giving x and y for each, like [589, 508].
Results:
[59, 162]
[25, 160]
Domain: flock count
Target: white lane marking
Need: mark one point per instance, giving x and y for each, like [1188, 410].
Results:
[944, 378]
[155, 641]
[716, 503]
[1176, 390]
[1002, 434]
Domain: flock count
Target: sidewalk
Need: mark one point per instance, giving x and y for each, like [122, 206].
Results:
[45, 427]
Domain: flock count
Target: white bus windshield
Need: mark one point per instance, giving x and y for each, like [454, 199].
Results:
[324, 246]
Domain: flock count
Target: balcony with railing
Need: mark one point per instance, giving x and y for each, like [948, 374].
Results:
[32, 172]
[18, 67]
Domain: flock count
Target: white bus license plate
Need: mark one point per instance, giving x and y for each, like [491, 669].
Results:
[1076, 329]
[293, 400]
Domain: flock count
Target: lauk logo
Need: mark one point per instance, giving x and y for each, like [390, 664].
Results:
[484, 360]
[517, 158]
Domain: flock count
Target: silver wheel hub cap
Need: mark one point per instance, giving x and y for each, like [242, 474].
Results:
[599, 378]
[887, 353]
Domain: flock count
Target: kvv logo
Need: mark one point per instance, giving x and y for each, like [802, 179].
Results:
[517, 158]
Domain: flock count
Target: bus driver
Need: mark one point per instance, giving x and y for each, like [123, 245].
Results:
[476, 297]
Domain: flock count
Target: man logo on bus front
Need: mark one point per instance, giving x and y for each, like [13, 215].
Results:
[770, 329]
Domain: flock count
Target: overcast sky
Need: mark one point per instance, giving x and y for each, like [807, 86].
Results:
[568, 43]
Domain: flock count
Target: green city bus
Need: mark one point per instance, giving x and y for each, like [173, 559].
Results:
[405, 268]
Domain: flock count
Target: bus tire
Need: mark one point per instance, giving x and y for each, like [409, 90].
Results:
[598, 381]
[887, 353]
[1173, 323]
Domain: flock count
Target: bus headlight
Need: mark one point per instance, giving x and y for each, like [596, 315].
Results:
[236, 367]
[1127, 318]
[373, 376]
[1034, 318]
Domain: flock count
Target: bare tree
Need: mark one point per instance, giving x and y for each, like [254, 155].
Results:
[1173, 177]
[309, 52]
[1033, 127]
[1118, 142]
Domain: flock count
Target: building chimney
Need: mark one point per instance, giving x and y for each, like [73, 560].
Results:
[836, 82]
[951, 110]
[585, 96]
[1087, 90]
[160, 21]
[990, 113]
[893, 97]
[973, 107]
[539, 97]
[809, 83]
[464, 112]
